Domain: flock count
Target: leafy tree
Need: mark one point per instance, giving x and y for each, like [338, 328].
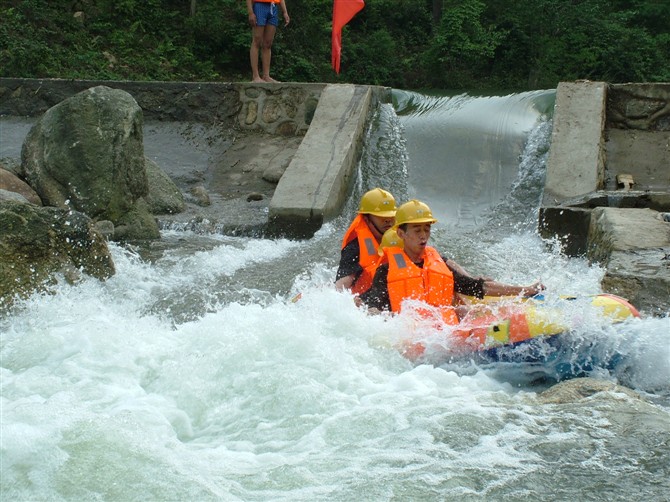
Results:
[411, 44]
[462, 45]
[567, 40]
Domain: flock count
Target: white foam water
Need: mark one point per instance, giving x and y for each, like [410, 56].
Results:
[106, 398]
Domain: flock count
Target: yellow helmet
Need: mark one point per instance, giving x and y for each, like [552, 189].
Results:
[378, 202]
[390, 239]
[413, 211]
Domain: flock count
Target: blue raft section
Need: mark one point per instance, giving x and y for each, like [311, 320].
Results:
[555, 342]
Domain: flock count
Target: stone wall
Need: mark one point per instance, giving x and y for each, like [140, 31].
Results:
[644, 107]
[285, 109]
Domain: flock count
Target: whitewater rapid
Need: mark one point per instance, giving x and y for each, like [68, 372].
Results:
[192, 374]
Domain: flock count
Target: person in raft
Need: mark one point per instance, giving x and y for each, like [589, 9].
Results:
[360, 244]
[263, 19]
[417, 271]
[376, 215]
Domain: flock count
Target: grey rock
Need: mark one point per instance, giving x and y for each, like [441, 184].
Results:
[13, 196]
[164, 197]
[39, 244]
[86, 154]
[12, 183]
[581, 388]
[106, 228]
[200, 196]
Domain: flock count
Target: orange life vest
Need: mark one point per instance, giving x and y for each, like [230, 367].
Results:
[368, 257]
[364, 281]
[433, 284]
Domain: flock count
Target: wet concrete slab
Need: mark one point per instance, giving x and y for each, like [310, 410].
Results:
[644, 155]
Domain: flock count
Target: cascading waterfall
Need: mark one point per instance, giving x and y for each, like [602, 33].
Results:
[192, 375]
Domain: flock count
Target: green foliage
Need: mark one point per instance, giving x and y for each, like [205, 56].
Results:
[129, 39]
[219, 33]
[462, 45]
[379, 46]
[398, 43]
[301, 51]
[584, 39]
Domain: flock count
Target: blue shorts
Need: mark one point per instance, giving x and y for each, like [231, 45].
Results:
[266, 13]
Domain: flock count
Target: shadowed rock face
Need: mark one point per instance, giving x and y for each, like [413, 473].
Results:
[11, 183]
[37, 243]
[87, 153]
[164, 197]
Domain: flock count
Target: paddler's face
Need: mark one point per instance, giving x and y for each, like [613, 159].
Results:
[381, 224]
[415, 236]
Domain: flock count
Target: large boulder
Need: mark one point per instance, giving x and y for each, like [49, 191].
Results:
[87, 154]
[39, 244]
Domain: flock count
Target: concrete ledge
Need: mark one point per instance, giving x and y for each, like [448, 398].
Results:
[316, 182]
[634, 245]
[205, 102]
[277, 109]
[575, 165]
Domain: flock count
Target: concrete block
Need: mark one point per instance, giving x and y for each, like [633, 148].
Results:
[616, 229]
[316, 182]
[575, 165]
[634, 245]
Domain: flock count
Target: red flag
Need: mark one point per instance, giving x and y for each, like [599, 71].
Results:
[343, 12]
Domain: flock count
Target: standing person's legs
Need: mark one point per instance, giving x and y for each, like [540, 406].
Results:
[256, 49]
[266, 51]
[263, 34]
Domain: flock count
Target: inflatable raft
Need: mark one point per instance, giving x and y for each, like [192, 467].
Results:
[493, 323]
[530, 335]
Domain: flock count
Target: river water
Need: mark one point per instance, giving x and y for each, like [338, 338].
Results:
[192, 375]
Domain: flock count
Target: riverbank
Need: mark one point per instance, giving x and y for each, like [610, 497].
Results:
[228, 146]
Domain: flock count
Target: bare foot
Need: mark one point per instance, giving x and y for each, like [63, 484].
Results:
[271, 80]
[258, 80]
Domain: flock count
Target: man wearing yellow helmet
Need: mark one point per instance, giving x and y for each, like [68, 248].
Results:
[376, 215]
[419, 272]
